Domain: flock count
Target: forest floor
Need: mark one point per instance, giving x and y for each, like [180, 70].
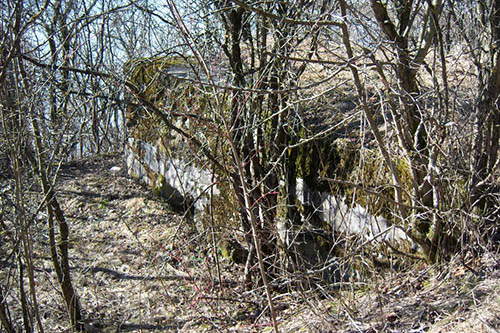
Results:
[137, 267]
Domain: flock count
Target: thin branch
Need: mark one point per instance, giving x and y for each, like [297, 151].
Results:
[283, 19]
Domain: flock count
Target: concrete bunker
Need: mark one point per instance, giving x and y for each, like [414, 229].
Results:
[162, 158]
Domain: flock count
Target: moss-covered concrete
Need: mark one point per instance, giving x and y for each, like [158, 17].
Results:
[342, 167]
[315, 161]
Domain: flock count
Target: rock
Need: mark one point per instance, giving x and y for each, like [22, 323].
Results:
[115, 170]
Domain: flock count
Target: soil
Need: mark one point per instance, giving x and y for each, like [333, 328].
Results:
[138, 267]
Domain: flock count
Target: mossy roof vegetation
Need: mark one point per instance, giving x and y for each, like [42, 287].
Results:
[331, 119]
[152, 76]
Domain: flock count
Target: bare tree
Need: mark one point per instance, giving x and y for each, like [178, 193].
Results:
[269, 47]
[486, 109]
[263, 105]
[51, 85]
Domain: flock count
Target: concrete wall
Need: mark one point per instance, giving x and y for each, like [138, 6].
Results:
[181, 181]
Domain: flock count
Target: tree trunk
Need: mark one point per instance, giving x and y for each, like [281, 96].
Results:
[487, 120]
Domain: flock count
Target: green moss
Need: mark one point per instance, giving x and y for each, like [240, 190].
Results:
[157, 181]
[234, 251]
[184, 104]
[156, 88]
[374, 175]
[164, 190]
[225, 209]
[356, 169]
[326, 158]
[146, 73]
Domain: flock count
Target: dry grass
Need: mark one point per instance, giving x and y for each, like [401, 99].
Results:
[139, 268]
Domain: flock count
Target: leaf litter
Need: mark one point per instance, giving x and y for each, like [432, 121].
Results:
[137, 267]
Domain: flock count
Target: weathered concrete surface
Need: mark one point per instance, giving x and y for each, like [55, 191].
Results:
[351, 220]
[182, 183]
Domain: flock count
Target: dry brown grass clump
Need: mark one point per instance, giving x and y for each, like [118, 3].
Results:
[139, 268]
